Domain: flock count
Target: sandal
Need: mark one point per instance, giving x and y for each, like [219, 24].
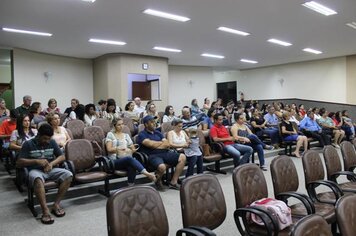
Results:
[174, 186]
[59, 212]
[295, 155]
[47, 219]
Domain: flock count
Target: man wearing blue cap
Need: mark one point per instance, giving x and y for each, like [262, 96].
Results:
[153, 143]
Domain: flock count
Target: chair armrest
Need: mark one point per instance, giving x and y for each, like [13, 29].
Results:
[71, 167]
[218, 147]
[105, 162]
[351, 176]
[141, 157]
[203, 230]
[189, 232]
[307, 202]
[269, 222]
[332, 185]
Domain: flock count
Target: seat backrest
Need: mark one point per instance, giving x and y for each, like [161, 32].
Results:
[313, 167]
[249, 184]
[81, 153]
[201, 137]
[354, 142]
[129, 123]
[138, 211]
[77, 128]
[284, 175]
[202, 201]
[348, 155]
[166, 127]
[346, 214]
[62, 118]
[311, 225]
[126, 130]
[140, 127]
[104, 124]
[69, 133]
[332, 161]
[94, 133]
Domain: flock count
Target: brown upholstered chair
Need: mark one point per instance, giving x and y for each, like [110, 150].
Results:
[104, 124]
[77, 128]
[140, 128]
[334, 170]
[166, 127]
[129, 123]
[285, 184]
[346, 215]
[125, 129]
[69, 133]
[212, 155]
[138, 211]
[348, 156]
[81, 160]
[315, 176]
[95, 135]
[62, 118]
[250, 185]
[202, 201]
[312, 225]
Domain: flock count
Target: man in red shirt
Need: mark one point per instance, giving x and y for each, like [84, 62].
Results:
[6, 128]
[220, 134]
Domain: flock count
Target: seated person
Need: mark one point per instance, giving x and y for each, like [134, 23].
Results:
[259, 125]
[4, 112]
[151, 111]
[6, 128]
[60, 136]
[111, 112]
[310, 128]
[22, 133]
[90, 114]
[41, 155]
[120, 148]
[35, 114]
[190, 122]
[25, 107]
[130, 113]
[179, 140]
[289, 133]
[101, 108]
[169, 115]
[209, 120]
[156, 147]
[52, 107]
[243, 135]
[195, 110]
[271, 118]
[329, 128]
[348, 124]
[220, 134]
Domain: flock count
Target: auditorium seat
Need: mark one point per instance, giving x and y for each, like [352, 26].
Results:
[346, 215]
[103, 123]
[77, 128]
[312, 225]
[348, 156]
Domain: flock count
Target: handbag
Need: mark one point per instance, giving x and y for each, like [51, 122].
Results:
[278, 209]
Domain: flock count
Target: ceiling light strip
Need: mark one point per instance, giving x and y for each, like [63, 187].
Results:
[233, 31]
[26, 32]
[212, 55]
[352, 25]
[279, 42]
[319, 8]
[312, 51]
[167, 49]
[166, 15]
[104, 41]
[249, 61]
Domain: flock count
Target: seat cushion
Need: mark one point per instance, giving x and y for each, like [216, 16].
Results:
[120, 173]
[50, 185]
[88, 177]
[213, 157]
[348, 187]
[326, 196]
[327, 211]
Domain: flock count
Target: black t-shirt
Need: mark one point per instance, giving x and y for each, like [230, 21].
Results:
[289, 127]
[259, 121]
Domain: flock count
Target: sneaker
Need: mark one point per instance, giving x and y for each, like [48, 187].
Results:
[159, 186]
[264, 168]
[174, 186]
[268, 147]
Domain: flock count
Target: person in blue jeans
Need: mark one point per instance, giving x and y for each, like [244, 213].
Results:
[120, 148]
[219, 133]
[244, 135]
[189, 145]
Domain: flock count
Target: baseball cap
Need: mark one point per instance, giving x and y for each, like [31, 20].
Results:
[148, 118]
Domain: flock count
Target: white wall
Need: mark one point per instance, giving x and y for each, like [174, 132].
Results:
[323, 80]
[189, 82]
[70, 78]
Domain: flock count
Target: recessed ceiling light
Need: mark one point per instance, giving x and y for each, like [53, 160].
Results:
[279, 42]
[312, 51]
[233, 31]
[107, 41]
[89, 1]
[166, 15]
[352, 25]
[27, 32]
[212, 55]
[249, 61]
[319, 8]
[167, 49]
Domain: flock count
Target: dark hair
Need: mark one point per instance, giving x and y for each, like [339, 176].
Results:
[102, 101]
[331, 114]
[88, 106]
[115, 120]
[51, 100]
[216, 116]
[300, 105]
[205, 99]
[321, 111]
[343, 113]
[127, 106]
[166, 110]
[194, 100]
[237, 116]
[19, 125]
[210, 111]
[337, 116]
[79, 111]
[176, 122]
[14, 113]
[45, 130]
[34, 107]
[111, 102]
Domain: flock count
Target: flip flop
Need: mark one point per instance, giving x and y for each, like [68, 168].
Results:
[59, 212]
[47, 219]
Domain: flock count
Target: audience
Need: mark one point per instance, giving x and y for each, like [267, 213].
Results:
[6, 128]
[206, 105]
[4, 112]
[111, 113]
[157, 147]
[311, 129]
[301, 111]
[41, 156]
[348, 123]
[52, 107]
[35, 114]
[25, 107]
[138, 107]
[130, 113]
[90, 114]
[169, 115]
[101, 108]
[120, 148]
[60, 134]
[329, 128]
[22, 133]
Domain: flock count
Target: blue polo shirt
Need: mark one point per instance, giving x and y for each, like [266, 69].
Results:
[309, 124]
[154, 136]
[271, 119]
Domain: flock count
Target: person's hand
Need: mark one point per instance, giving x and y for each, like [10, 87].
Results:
[42, 162]
[48, 168]
[246, 140]
[165, 144]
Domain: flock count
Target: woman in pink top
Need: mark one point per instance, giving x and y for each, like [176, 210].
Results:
[60, 134]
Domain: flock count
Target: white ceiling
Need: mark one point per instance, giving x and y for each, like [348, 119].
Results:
[73, 22]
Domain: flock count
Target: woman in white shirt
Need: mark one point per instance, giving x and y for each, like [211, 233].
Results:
[60, 134]
[22, 133]
[293, 117]
[120, 148]
[90, 114]
[179, 140]
[169, 114]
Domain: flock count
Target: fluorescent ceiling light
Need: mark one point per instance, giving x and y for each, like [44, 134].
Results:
[233, 31]
[107, 41]
[312, 50]
[26, 32]
[319, 8]
[166, 15]
[249, 61]
[212, 55]
[89, 1]
[279, 42]
[167, 49]
[352, 25]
